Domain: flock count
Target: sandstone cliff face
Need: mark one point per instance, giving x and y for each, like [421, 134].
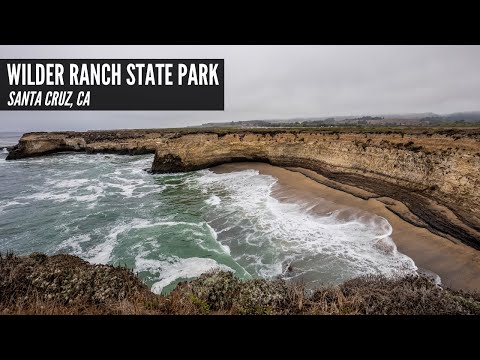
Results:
[437, 163]
[421, 168]
[130, 142]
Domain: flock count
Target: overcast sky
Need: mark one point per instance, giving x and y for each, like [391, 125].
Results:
[280, 82]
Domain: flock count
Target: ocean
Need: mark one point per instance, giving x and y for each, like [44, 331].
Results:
[8, 139]
[172, 227]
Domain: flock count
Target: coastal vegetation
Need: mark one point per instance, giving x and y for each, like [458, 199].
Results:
[66, 284]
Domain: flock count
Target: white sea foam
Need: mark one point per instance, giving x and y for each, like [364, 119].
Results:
[47, 195]
[69, 183]
[11, 203]
[270, 233]
[141, 224]
[102, 253]
[174, 268]
[4, 151]
[72, 244]
[126, 185]
[65, 190]
[213, 200]
[5, 206]
[270, 270]
[193, 230]
[225, 248]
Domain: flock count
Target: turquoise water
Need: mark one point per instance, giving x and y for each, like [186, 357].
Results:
[168, 228]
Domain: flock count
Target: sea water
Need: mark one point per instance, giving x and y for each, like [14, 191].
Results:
[172, 227]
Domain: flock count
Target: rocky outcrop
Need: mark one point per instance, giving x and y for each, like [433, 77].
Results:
[434, 172]
[128, 142]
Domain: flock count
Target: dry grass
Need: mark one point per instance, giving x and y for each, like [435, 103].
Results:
[65, 284]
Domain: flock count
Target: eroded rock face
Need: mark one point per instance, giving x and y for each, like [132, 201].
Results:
[128, 142]
[439, 162]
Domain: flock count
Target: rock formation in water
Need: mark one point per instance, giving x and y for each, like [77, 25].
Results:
[434, 172]
[126, 142]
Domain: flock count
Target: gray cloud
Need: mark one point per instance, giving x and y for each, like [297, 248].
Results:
[266, 82]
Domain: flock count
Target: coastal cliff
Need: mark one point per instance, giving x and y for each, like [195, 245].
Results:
[128, 142]
[434, 172]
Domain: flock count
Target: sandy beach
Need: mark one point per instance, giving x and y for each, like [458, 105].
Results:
[457, 265]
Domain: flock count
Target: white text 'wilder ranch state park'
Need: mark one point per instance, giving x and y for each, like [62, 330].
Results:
[111, 74]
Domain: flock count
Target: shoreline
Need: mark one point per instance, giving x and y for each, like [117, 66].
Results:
[458, 265]
[433, 171]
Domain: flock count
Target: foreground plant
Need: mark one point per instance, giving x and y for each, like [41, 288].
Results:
[66, 284]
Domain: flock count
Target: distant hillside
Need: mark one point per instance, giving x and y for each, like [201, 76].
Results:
[467, 116]
[419, 119]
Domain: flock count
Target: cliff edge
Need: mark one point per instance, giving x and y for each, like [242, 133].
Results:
[433, 171]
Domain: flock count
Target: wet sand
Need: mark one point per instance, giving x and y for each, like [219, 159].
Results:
[457, 264]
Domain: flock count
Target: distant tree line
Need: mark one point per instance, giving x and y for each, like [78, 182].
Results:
[356, 122]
